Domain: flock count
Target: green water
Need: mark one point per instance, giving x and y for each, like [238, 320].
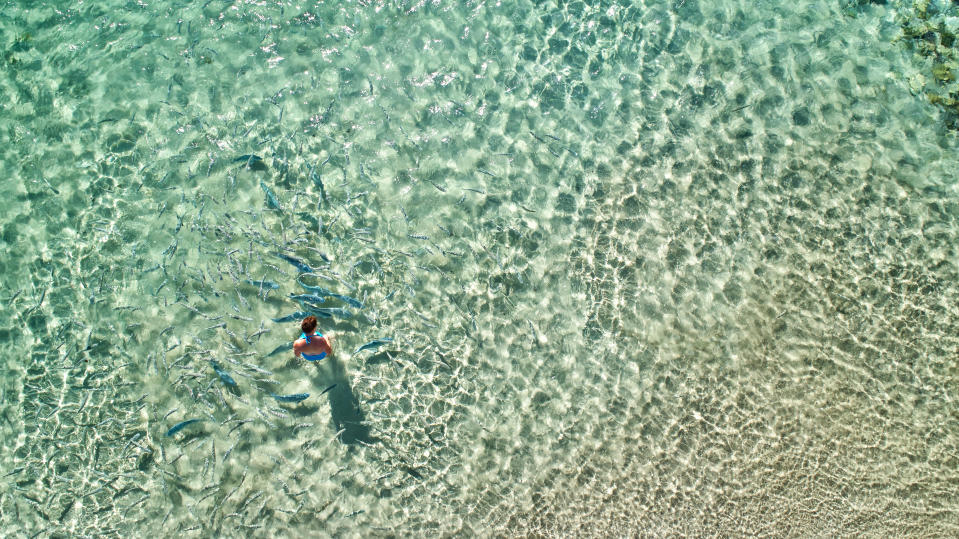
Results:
[656, 269]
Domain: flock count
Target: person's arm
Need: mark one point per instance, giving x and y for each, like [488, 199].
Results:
[328, 341]
[297, 345]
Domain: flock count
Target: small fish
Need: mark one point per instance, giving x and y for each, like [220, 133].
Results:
[300, 265]
[297, 397]
[281, 348]
[263, 284]
[181, 425]
[327, 390]
[227, 379]
[271, 200]
[318, 182]
[374, 344]
[298, 315]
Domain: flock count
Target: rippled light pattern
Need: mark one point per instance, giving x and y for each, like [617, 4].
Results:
[678, 268]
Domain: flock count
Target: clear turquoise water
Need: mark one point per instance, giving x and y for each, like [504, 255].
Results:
[679, 268]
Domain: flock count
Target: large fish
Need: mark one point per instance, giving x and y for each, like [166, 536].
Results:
[347, 299]
[181, 425]
[271, 200]
[227, 379]
[297, 397]
[300, 265]
[374, 344]
[281, 348]
[315, 289]
[320, 291]
[298, 315]
[263, 284]
[335, 311]
[312, 298]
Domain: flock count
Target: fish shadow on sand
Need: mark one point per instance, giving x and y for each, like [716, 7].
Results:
[344, 406]
[304, 411]
[252, 162]
[381, 357]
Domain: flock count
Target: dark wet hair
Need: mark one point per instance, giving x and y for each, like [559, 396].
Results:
[308, 324]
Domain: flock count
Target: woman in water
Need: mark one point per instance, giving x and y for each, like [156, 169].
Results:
[311, 346]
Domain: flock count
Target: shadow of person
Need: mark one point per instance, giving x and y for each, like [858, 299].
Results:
[344, 406]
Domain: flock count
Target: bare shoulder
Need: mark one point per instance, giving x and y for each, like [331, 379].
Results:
[297, 344]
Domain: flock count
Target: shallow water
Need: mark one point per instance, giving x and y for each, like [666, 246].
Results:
[678, 268]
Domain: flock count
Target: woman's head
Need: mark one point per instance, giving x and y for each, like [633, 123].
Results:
[309, 324]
